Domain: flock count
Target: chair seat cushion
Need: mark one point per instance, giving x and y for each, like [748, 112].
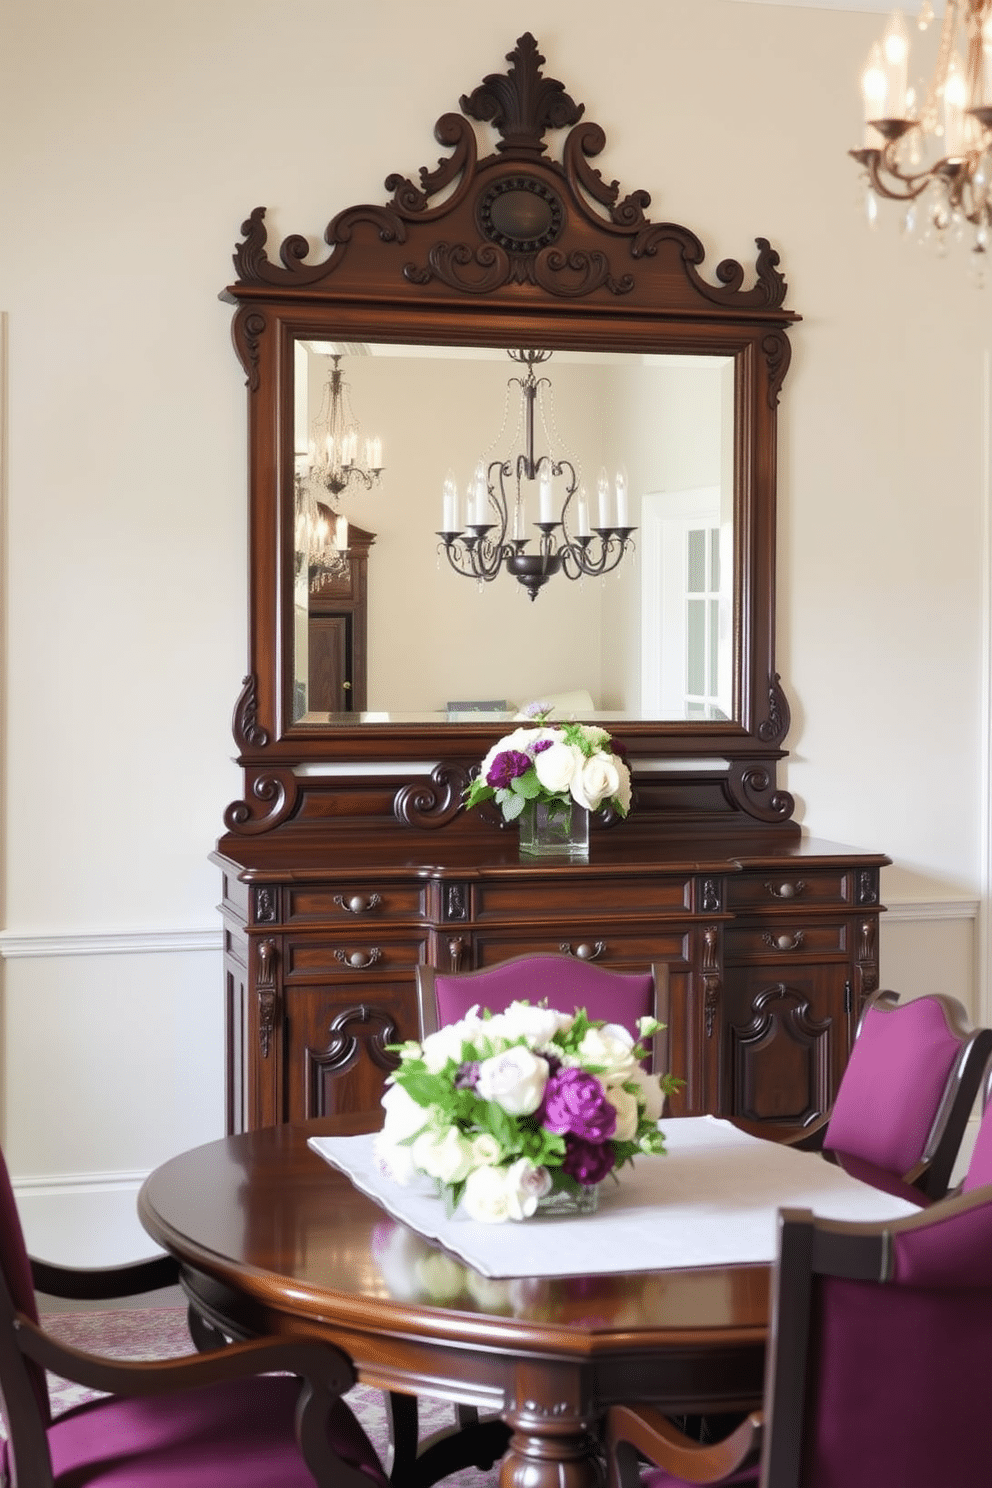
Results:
[656, 1477]
[239, 1434]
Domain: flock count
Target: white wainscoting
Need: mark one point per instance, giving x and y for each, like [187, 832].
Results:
[93, 1021]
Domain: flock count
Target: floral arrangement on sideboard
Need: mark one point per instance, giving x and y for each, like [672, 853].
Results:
[573, 762]
[504, 1111]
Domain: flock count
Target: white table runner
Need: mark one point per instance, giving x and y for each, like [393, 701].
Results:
[710, 1200]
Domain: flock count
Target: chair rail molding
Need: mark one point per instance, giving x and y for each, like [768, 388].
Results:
[16, 946]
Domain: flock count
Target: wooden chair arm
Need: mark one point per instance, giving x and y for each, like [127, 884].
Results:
[85, 1285]
[318, 1362]
[806, 1139]
[645, 1432]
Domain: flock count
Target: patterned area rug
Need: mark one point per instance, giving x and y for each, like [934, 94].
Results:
[161, 1333]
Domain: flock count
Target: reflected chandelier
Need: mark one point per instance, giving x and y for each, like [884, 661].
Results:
[479, 547]
[930, 148]
[330, 465]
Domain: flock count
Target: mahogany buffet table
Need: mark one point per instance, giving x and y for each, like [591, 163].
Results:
[272, 1238]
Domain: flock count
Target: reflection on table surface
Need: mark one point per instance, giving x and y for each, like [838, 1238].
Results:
[263, 1210]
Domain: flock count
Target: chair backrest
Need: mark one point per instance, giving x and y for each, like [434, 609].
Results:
[979, 1172]
[909, 1087]
[20, 1378]
[565, 981]
[878, 1366]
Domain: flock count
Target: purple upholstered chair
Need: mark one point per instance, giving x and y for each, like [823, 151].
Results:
[567, 982]
[906, 1095]
[201, 1421]
[979, 1174]
[877, 1366]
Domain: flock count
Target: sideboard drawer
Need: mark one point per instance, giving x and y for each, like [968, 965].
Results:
[788, 940]
[619, 950]
[354, 902]
[783, 887]
[314, 958]
[597, 899]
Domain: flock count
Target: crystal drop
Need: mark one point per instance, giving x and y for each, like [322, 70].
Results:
[909, 221]
[871, 207]
[925, 16]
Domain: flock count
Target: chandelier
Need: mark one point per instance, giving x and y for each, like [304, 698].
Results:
[930, 147]
[335, 437]
[479, 547]
[330, 464]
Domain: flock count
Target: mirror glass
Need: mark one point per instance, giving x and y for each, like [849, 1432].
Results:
[651, 640]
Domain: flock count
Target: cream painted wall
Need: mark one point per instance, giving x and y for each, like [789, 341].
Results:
[136, 139]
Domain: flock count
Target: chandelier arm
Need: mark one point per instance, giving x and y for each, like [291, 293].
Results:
[875, 163]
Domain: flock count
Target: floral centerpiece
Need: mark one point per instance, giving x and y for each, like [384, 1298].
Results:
[503, 1110]
[552, 769]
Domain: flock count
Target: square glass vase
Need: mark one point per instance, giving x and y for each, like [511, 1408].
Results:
[554, 829]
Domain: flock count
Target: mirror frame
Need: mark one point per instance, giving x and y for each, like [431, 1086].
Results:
[433, 267]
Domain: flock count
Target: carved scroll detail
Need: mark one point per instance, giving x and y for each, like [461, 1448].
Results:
[344, 1047]
[423, 804]
[522, 104]
[248, 326]
[775, 726]
[777, 349]
[265, 906]
[248, 732]
[752, 788]
[275, 790]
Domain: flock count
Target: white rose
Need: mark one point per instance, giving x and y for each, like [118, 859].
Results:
[526, 1184]
[621, 796]
[444, 1045]
[650, 1093]
[447, 1158]
[610, 1049]
[392, 1160]
[486, 1151]
[537, 1025]
[627, 1111]
[515, 1080]
[486, 1197]
[596, 780]
[404, 1116]
[558, 766]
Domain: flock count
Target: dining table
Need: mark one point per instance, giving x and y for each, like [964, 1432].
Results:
[662, 1296]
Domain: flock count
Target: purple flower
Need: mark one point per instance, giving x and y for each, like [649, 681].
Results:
[574, 1101]
[542, 745]
[587, 1162]
[467, 1075]
[507, 766]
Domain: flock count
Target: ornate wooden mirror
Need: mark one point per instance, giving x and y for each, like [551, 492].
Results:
[418, 304]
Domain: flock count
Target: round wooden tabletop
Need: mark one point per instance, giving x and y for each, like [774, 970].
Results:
[273, 1239]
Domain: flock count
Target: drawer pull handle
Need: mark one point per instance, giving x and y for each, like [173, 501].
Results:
[359, 960]
[357, 904]
[784, 942]
[786, 890]
[585, 951]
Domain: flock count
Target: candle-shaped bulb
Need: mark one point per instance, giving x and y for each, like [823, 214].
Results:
[341, 534]
[603, 498]
[583, 513]
[955, 103]
[545, 496]
[895, 51]
[449, 504]
[623, 505]
[481, 495]
[873, 85]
